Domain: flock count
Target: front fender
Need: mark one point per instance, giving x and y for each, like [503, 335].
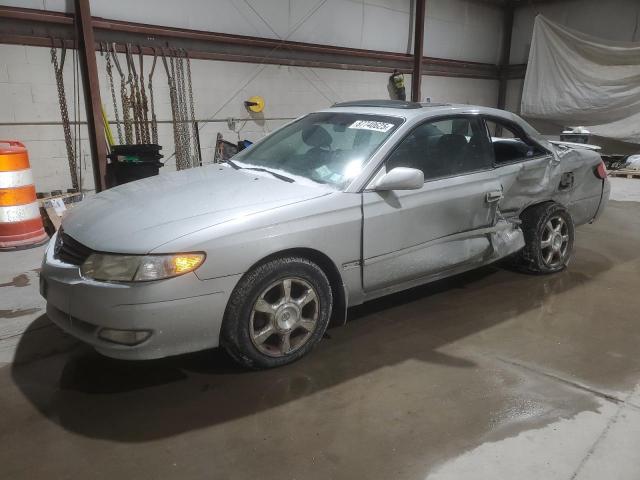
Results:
[330, 225]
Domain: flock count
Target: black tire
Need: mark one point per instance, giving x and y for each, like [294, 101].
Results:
[534, 256]
[238, 323]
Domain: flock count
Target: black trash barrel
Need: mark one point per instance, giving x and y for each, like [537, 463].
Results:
[134, 162]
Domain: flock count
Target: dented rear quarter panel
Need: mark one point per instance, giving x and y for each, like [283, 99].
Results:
[584, 197]
[538, 180]
[588, 194]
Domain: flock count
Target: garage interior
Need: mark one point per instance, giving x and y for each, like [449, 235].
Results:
[488, 374]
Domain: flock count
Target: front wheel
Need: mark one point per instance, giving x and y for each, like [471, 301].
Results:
[549, 234]
[277, 313]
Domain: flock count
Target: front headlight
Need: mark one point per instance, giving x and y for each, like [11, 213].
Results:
[139, 268]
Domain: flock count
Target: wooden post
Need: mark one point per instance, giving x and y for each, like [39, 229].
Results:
[91, 88]
[418, 47]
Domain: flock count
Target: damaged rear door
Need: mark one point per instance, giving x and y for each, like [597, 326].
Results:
[443, 226]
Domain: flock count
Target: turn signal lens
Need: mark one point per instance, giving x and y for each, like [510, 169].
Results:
[156, 267]
[187, 263]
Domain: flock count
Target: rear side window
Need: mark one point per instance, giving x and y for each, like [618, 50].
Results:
[509, 144]
[444, 148]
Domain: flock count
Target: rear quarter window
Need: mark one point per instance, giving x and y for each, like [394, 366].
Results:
[510, 144]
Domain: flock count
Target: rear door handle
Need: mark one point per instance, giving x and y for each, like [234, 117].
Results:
[494, 196]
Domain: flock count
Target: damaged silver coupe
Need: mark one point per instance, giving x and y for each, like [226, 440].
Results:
[339, 207]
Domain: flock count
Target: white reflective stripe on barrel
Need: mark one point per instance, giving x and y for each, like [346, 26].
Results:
[19, 213]
[18, 178]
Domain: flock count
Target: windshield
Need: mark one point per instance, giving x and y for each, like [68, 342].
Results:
[328, 148]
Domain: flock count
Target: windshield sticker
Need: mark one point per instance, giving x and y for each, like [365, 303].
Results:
[371, 125]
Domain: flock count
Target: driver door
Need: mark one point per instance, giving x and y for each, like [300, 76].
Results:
[416, 234]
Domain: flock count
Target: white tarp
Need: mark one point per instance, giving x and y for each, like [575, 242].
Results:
[576, 79]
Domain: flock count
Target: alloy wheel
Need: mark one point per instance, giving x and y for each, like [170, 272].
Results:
[284, 317]
[555, 241]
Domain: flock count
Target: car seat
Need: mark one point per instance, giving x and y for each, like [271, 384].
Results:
[319, 140]
[450, 151]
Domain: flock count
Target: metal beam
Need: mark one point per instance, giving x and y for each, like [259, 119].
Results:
[533, 3]
[418, 48]
[507, 27]
[91, 88]
[35, 27]
[515, 71]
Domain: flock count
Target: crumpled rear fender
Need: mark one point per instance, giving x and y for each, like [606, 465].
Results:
[567, 177]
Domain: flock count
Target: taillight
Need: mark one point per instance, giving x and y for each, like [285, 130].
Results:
[601, 171]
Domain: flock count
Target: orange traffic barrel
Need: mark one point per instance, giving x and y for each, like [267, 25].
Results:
[20, 220]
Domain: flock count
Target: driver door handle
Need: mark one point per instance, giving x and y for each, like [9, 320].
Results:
[494, 196]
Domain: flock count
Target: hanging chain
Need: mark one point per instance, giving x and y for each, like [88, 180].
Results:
[194, 133]
[144, 103]
[126, 106]
[170, 71]
[154, 120]
[179, 106]
[137, 102]
[132, 96]
[182, 108]
[113, 95]
[184, 157]
[176, 118]
[184, 118]
[64, 113]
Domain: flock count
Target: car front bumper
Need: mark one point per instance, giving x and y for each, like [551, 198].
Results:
[181, 314]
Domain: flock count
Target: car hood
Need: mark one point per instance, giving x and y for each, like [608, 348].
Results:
[140, 216]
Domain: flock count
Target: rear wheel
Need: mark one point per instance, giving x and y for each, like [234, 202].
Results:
[277, 313]
[549, 234]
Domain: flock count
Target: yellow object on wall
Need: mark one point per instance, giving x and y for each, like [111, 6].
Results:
[255, 103]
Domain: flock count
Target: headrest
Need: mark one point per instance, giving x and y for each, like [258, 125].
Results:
[426, 131]
[452, 140]
[316, 136]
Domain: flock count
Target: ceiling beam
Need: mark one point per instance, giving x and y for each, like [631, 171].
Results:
[36, 27]
[528, 3]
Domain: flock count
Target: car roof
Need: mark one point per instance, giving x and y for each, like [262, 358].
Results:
[417, 111]
[405, 109]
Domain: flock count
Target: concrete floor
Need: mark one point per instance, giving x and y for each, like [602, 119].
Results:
[492, 374]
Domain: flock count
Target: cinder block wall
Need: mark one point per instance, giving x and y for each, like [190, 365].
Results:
[29, 95]
[457, 29]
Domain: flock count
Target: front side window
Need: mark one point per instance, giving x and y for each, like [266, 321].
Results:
[444, 148]
[328, 148]
[509, 144]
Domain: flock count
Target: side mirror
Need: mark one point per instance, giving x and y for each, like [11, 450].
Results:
[401, 178]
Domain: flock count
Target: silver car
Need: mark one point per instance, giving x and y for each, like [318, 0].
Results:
[339, 207]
